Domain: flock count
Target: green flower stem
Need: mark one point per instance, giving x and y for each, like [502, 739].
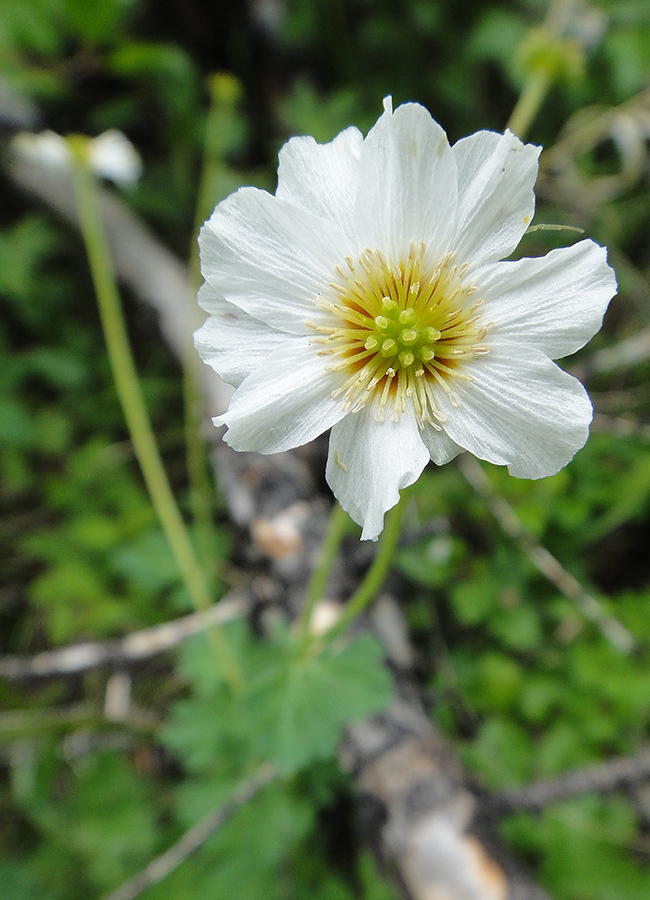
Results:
[224, 92]
[201, 487]
[198, 470]
[529, 103]
[130, 394]
[371, 584]
[336, 527]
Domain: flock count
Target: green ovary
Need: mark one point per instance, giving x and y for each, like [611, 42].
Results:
[399, 337]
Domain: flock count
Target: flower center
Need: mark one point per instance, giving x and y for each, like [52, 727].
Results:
[400, 330]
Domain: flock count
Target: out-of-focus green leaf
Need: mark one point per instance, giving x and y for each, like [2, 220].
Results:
[301, 703]
[97, 22]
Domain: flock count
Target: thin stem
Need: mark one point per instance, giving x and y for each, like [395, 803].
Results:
[133, 406]
[336, 527]
[201, 487]
[369, 587]
[529, 103]
[198, 471]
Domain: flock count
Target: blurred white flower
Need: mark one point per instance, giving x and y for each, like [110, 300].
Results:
[368, 296]
[111, 155]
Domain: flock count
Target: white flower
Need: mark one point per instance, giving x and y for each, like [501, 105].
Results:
[368, 296]
[111, 155]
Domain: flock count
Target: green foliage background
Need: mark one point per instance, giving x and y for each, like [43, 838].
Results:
[524, 686]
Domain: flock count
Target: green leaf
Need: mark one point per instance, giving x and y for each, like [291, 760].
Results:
[95, 22]
[18, 882]
[501, 753]
[147, 562]
[300, 704]
[247, 858]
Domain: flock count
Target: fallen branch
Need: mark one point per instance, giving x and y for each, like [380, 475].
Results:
[543, 560]
[620, 426]
[133, 647]
[604, 777]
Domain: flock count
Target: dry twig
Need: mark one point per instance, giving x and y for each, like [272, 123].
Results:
[162, 865]
[543, 560]
[608, 776]
[133, 647]
[620, 426]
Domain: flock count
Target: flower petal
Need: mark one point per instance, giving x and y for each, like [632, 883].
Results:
[555, 303]
[287, 401]
[407, 184]
[322, 178]
[519, 410]
[369, 461]
[496, 201]
[440, 446]
[270, 258]
[230, 340]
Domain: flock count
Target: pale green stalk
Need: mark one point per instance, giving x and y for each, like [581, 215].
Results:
[336, 527]
[529, 103]
[371, 584]
[198, 470]
[130, 394]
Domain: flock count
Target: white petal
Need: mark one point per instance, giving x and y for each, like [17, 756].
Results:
[520, 410]
[47, 148]
[407, 184]
[555, 303]
[322, 178]
[113, 156]
[440, 446]
[270, 258]
[230, 340]
[496, 202]
[286, 401]
[370, 461]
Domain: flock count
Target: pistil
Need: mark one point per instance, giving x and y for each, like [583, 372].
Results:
[401, 330]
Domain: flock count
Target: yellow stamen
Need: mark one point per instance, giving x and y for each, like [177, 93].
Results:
[400, 331]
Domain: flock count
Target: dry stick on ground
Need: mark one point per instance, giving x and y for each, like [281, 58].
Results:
[608, 776]
[629, 352]
[162, 865]
[544, 561]
[426, 824]
[620, 426]
[133, 647]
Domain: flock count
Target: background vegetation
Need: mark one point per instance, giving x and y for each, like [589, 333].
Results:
[525, 686]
